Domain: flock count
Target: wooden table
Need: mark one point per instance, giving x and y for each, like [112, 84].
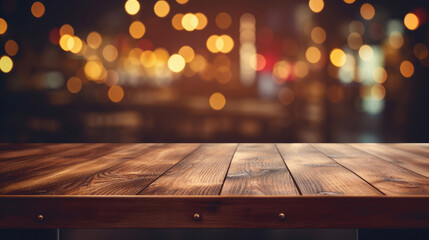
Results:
[107, 185]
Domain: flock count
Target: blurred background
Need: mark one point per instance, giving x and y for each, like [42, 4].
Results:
[214, 71]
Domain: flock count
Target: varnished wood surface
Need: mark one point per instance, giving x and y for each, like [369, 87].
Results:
[76, 183]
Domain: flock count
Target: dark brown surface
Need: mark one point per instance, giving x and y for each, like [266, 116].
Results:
[163, 185]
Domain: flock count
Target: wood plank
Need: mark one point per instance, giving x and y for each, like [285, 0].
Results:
[258, 169]
[201, 173]
[130, 177]
[16, 152]
[317, 174]
[418, 149]
[384, 175]
[401, 158]
[55, 180]
[215, 212]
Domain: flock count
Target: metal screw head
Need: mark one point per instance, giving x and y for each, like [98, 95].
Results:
[40, 217]
[197, 217]
[282, 216]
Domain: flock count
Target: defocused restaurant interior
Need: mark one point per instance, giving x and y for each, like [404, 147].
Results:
[214, 71]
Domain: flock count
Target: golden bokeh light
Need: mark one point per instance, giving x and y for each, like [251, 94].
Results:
[110, 53]
[286, 96]
[6, 64]
[211, 43]
[313, 54]
[281, 71]
[66, 42]
[318, 35]
[224, 44]
[356, 27]
[66, 29]
[198, 64]
[349, 1]
[94, 70]
[217, 101]
[132, 7]
[137, 29]
[187, 53]
[161, 8]
[420, 50]
[37, 9]
[258, 62]
[223, 75]
[338, 57]
[354, 40]
[148, 59]
[182, 1]
[115, 93]
[223, 20]
[380, 75]
[367, 11]
[134, 56]
[176, 21]
[378, 92]
[161, 55]
[94, 40]
[3, 26]
[301, 69]
[406, 68]
[74, 84]
[316, 5]
[202, 21]
[176, 63]
[189, 22]
[366, 53]
[11, 47]
[411, 21]
[396, 40]
[76, 44]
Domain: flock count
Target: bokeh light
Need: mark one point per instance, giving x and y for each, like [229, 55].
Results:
[338, 57]
[182, 1]
[6, 64]
[94, 70]
[367, 11]
[3, 26]
[286, 96]
[258, 62]
[110, 53]
[420, 51]
[11, 47]
[66, 29]
[132, 7]
[187, 53]
[318, 35]
[37, 9]
[313, 54]
[411, 21]
[316, 5]
[406, 68]
[176, 21]
[223, 20]
[366, 52]
[189, 22]
[161, 8]
[74, 84]
[94, 40]
[354, 40]
[116, 93]
[396, 40]
[176, 63]
[137, 29]
[148, 58]
[217, 101]
[301, 69]
[202, 20]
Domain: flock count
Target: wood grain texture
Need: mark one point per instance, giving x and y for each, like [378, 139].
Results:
[258, 169]
[55, 180]
[32, 150]
[384, 175]
[201, 173]
[130, 177]
[317, 174]
[215, 212]
[413, 162]
[414, 148]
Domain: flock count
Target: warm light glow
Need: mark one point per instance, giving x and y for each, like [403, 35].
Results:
[217, 101]
[187, 53]
[198, 64]
[224, 44]
[148, 59]
[132, 7]
[37, 9]
[420, 50]
[94, 70]
[182, 1]
[115, 93]
[6, 64]
[176, 63]
[354, 40]
[66, 29]
[313, 54]
[407, 69]
[189, 22]
[94, 40]
[396, 40]
[110, 53]
[366, 53]
[338, 57]
[66, 42]
[211, 43]
[77, 45]
[74, 84]
[411, 21]
[301, 69]
[380, 75]
[161, 8]
[3, 26]
[134, 56]
[137, 29]
[161, 56]
[281, 71]
[378, 92]
[349, 1]
[367, 11]
[318, 35]
[316, 5]
[257, 62]
[286, 96]
[223, 20]
[202, 21]
[176, 21]
[11, 47]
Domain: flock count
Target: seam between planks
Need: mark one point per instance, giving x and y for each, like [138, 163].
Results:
[291, 175]
[383, 159]
[348, 169]
[227, 171]
[162, 174]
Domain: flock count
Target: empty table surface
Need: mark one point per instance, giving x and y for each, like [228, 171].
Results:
[214, 185]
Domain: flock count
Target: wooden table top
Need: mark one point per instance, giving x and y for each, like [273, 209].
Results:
[336, 185]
